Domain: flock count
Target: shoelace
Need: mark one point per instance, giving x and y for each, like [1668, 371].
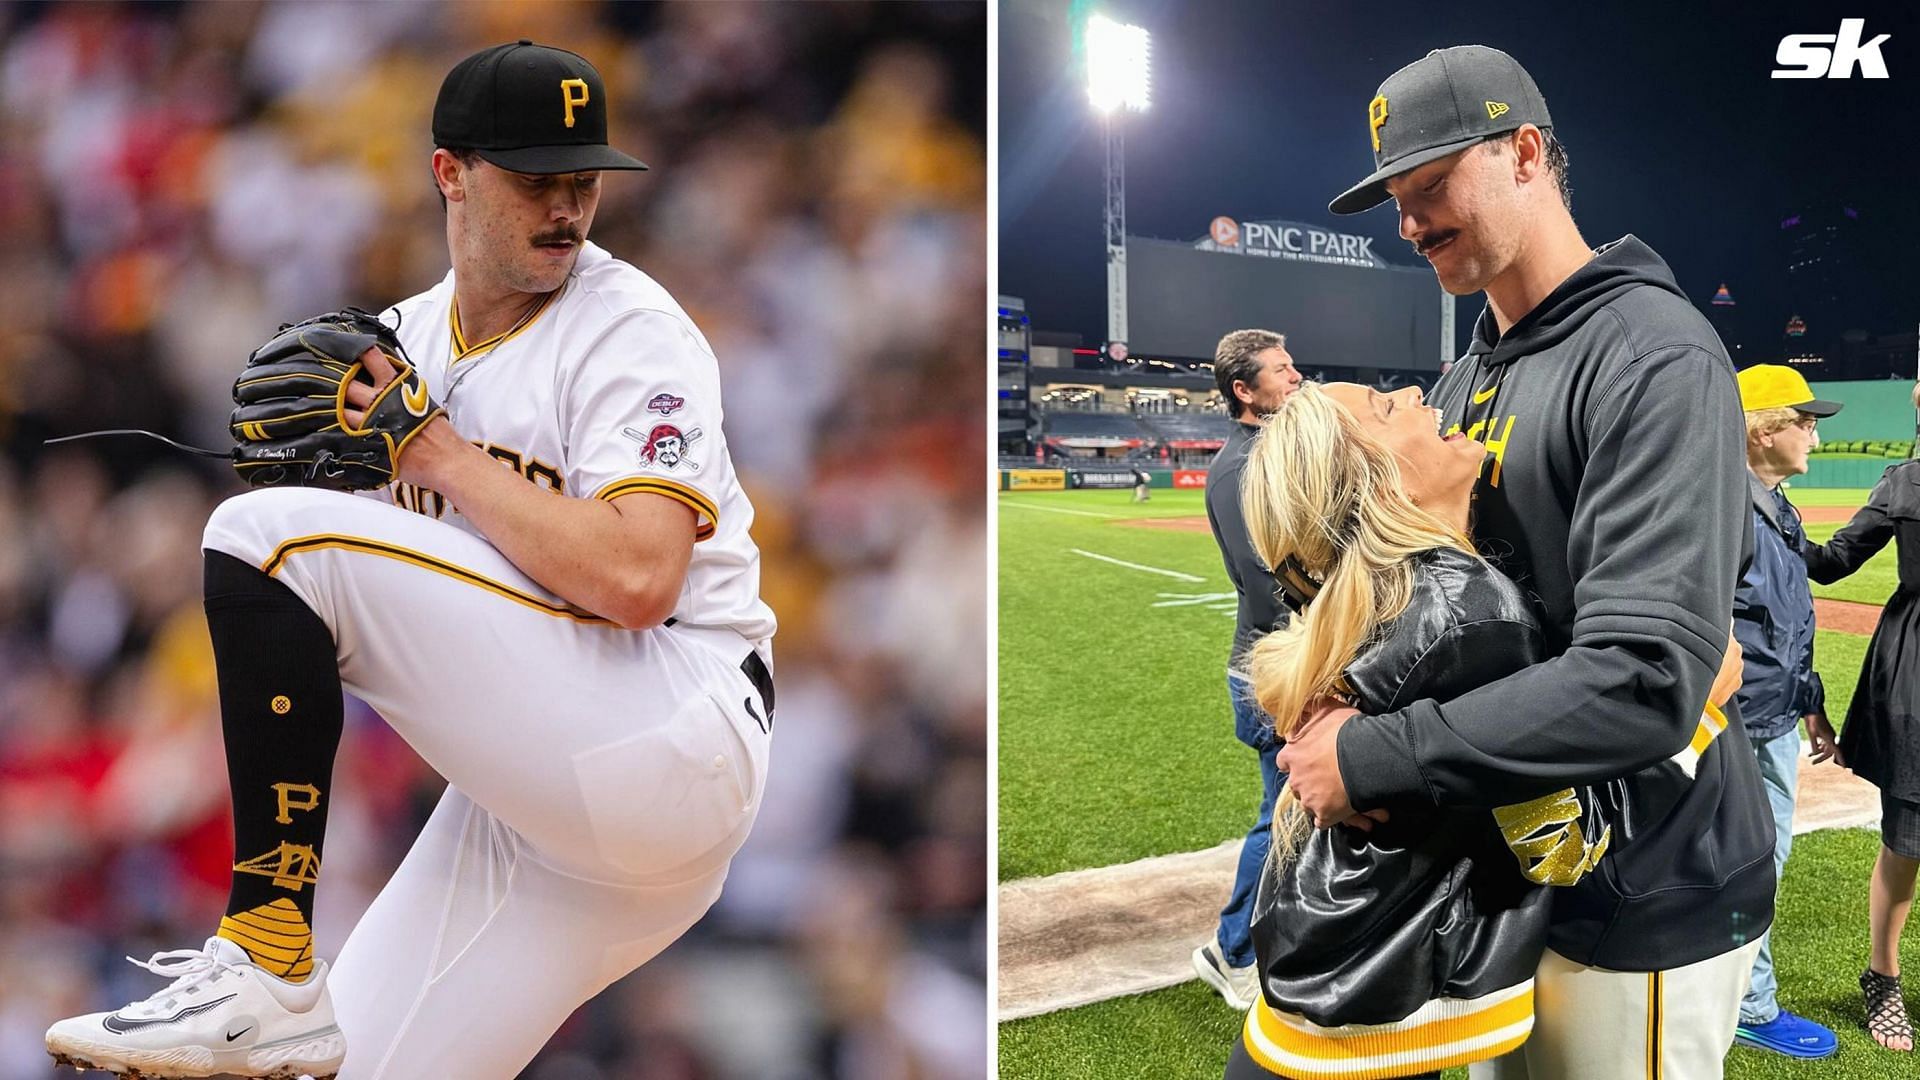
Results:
[186, 967]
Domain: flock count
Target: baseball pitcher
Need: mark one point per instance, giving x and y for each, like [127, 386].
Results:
[502, 513]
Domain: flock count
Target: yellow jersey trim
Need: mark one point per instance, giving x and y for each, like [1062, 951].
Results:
[323, 541]
[672, 489]
[462, 350]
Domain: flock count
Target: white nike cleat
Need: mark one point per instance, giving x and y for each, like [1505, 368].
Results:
[220, 1015]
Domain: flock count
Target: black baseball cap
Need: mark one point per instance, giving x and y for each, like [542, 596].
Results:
[1445, 101]
[529, 108]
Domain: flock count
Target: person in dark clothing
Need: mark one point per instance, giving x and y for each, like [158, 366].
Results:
[1614, 494]
[1773, 619]
[1381, 539]
[1410, 946]
[1880, 741]
[1255, 374]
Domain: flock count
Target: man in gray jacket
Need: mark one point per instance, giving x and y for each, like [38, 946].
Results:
[1255, 374]
[1615, 494]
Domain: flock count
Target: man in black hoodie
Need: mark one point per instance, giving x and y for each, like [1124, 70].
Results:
[1614, 493]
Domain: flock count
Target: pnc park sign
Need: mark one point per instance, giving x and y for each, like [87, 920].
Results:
[1289, 240]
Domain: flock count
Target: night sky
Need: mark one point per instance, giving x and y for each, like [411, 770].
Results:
[1674, 132]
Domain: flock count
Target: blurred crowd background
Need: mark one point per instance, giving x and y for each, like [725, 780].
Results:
[178, 179]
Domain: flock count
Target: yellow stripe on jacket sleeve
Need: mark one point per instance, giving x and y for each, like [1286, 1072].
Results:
[1712, 723]
[672, 489]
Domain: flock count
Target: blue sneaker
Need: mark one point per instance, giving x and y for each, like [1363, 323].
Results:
[1794, 1036]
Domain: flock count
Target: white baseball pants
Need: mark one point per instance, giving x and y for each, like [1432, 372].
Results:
[601, 779]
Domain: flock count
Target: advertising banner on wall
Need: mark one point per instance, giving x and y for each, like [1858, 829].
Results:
[1082, 478]
[1034, 480]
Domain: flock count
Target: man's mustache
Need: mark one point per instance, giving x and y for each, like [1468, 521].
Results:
[1428, 243]
[565, 236]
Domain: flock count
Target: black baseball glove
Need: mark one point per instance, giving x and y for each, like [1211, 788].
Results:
[291, 426]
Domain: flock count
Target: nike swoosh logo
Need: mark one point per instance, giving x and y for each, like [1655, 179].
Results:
[120, 1025]
[415, 403]
[236, 1034]
[1485, 394]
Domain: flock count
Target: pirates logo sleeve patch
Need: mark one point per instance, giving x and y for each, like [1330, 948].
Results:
[666, 446]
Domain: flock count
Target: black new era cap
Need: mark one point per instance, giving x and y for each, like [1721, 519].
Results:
[528, 108]
[1445, 101]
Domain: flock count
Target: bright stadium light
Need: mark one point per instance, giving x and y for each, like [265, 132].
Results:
[1117, 82]
[1117, 65]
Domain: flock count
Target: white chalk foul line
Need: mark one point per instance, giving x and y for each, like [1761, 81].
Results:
[1137, 566]
[1218, 601]
[1054, 509]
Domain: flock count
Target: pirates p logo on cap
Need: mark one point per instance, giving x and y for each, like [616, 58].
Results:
[567, 89]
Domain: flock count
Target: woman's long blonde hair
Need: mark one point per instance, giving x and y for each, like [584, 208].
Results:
[1320, 490]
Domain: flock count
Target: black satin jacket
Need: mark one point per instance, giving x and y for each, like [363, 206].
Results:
[1364, 928]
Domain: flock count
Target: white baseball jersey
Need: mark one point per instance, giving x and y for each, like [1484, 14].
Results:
[600, 779]
[606, 389]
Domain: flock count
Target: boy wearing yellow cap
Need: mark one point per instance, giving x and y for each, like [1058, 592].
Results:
[1773, 620]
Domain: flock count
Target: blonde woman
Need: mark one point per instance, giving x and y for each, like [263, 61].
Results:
[1404, 945]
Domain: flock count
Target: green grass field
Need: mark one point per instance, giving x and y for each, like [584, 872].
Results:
[1116, 743]
[1872, 583]
[1184, 1033]
[1113, 697]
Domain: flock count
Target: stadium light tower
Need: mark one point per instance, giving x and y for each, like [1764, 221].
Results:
[1117, 81]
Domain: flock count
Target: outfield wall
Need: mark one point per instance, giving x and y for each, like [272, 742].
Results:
[1875, 409]
[1851, 472]
[1076, 479]
[1848, 472]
